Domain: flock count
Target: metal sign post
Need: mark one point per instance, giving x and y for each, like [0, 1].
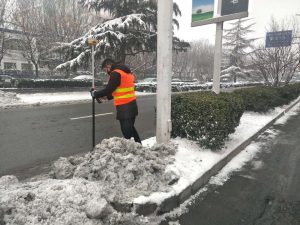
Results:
[92, 42]
[226, 10]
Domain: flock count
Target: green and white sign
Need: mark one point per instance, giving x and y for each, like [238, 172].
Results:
[202, 10]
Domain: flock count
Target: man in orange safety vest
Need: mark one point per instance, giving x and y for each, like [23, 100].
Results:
[120, 88]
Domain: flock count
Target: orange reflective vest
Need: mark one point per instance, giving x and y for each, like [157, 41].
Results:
[125, 91]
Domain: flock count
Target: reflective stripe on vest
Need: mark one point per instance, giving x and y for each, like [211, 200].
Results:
[120, 90]
[125, 91]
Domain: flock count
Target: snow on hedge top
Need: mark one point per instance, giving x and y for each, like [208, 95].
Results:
[231, 69]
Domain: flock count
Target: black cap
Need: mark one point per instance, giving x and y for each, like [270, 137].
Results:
[106, 62]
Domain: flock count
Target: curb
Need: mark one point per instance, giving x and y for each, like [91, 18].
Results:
[174, 201]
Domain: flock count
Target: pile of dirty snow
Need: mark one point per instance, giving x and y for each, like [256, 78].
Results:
[59, 202]
[8, 98]
[125, 168]
[86, 189]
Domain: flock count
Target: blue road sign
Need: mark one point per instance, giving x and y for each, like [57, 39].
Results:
[279, 39]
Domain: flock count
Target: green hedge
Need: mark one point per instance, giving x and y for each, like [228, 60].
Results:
[30, 83]
[289, 92]
[205, 117]
[262, 99]
[208, 118]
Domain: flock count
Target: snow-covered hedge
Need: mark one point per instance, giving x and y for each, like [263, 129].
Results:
[209, 118]
[206, 117]
[151, 87]
[262, 99]
[55, 83]
[192, 86]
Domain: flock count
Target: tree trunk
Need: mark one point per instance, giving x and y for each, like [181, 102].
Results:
[36, 70]
[276, 82]
[67, 73]
[234, 77]
[2, 46]
[122, 54]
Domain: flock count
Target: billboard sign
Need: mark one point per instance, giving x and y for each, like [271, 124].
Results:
[202, 10]
[234, 6]
[279, 39]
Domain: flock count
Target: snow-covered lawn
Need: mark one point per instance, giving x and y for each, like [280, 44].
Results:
[10, 98]
[59, 97]
[83, 189]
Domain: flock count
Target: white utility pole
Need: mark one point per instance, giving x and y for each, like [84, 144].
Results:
[218, 51]
[164, 70]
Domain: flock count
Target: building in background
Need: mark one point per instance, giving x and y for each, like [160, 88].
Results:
[14, 63]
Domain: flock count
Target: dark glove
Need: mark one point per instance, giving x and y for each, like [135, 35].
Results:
[110, 97]
[92, 91]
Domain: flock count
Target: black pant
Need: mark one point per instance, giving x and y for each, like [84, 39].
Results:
[128, 129]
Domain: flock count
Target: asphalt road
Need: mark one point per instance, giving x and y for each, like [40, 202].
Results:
[33, 136]
[265, 192]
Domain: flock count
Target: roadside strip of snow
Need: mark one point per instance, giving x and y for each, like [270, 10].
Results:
[191, 162]
[10, 99]
[60, 97]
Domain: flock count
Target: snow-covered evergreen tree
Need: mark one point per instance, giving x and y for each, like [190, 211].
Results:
[130, 30]
[237, 42]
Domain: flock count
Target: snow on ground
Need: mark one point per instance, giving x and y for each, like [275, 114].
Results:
[123, 170]
[86, 187]
[58, 97]
[191, 162]
[53, 97]
[7, 98]
[60, 202]
[11, 98]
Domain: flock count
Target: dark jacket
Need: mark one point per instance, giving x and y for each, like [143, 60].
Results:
[126, 111]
